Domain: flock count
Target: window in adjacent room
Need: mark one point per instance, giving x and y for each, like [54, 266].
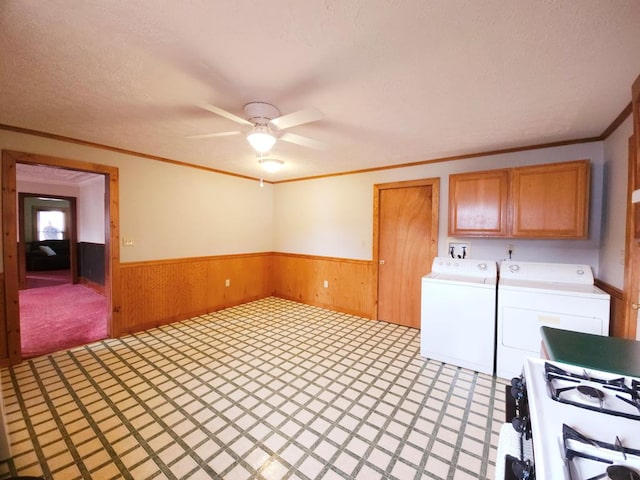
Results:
[51, 224]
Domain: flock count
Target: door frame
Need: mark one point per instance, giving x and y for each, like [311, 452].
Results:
[10, 326]
[434, 183]
[73, 234]
[630, 295]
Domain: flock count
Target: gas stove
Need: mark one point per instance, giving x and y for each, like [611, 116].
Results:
[583, 424]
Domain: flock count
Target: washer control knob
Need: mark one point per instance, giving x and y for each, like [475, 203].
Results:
[580, 271]
[514, 268]
[482, 266]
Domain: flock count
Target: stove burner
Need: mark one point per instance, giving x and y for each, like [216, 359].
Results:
[591, 393]
[620, 472]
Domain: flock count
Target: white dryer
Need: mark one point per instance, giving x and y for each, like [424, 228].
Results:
[531, 295]
[458, 313]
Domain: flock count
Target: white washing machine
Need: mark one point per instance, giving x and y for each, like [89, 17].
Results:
[531, 295]
[459, 313]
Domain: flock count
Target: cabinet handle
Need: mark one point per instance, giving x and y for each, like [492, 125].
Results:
[634, 306]
[381, 262]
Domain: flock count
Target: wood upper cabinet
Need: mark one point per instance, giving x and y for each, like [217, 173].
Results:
[478, 204]
[550, 201]
[542, 201]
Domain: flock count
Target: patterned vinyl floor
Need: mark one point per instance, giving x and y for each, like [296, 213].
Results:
[271, 389]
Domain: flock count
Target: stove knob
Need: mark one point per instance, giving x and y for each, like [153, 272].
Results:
[482, 266]
[522, 469]
[519, 424]
[518, 388]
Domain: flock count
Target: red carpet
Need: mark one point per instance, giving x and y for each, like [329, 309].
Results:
[58, 318]
[48, 278]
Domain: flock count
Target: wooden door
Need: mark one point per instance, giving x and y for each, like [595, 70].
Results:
[407, 236]
[631, 296]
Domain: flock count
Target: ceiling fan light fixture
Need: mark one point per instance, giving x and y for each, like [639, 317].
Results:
[261, 138]
[271, 165]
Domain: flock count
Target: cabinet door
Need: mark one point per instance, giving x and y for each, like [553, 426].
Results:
[550, 201]
[478, 204]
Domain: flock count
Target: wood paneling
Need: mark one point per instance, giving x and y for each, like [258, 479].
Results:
[617, 327]
[301, 278]
[160, 292]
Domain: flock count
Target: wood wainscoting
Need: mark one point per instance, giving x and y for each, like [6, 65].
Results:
[616, 317]
[156, 293]
[351, 283]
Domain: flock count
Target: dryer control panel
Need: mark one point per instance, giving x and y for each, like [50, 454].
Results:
[547, 272]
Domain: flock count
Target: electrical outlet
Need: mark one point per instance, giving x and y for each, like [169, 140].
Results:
[128, 242]
[459, 250]
[227, 282]
[326, 284]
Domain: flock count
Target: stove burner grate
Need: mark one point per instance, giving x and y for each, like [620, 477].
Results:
[623, 392]
[613, 472]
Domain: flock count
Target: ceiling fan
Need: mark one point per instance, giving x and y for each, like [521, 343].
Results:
[265, 125]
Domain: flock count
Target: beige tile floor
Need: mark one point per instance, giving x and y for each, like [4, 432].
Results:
[271, 389]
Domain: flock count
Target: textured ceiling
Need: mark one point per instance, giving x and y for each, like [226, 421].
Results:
[52, 175]
[397, 81]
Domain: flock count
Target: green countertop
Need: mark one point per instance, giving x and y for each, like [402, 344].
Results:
[597, 352]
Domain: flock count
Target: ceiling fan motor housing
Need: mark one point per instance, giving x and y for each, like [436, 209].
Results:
[260, 113]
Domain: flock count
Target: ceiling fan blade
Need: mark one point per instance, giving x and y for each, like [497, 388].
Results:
[211, 135]
[297, 118]
[303, 141]
[225, 114]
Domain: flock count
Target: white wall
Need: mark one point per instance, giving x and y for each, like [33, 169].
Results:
[614, 216]
[334, 216]
[49, 189]
[172, 211]
[91, 217]
[175, 212]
